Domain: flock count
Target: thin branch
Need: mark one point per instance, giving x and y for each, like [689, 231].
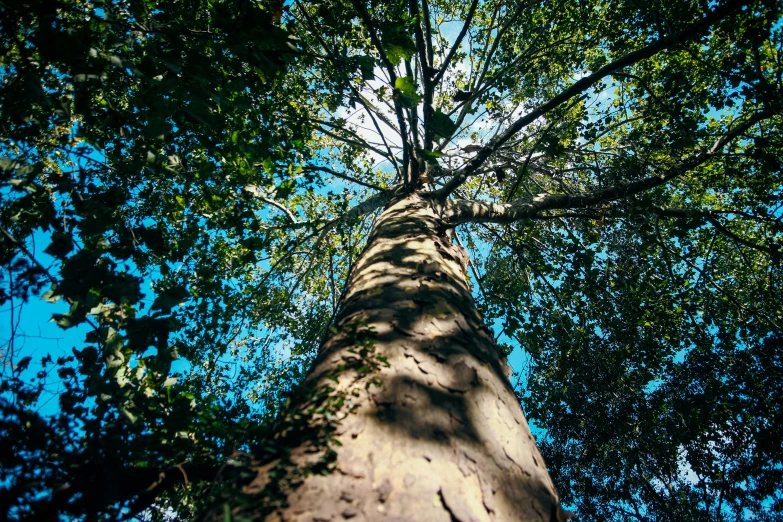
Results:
[281, 207]
[718, 287]
[457, 43]
[380, 116]
[425, 8]
[333, 292]
[495, 44]
[413, 119]
[523, 170]
[365, 103]
[472, 267]
[369, 26]
[578, 215]
[359, 143]
[343, 176]
[43, 269]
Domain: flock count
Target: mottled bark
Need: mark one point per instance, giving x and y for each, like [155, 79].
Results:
[410, 415]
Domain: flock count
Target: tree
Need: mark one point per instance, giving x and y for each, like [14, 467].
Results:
[326, 198]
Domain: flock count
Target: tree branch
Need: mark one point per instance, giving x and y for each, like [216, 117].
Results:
[702, 273]
[425, 9]
[21, 246]
[426, 80]
[692, 31]
[710, 217]
[463, 211]
[87, 493]
[281, 207]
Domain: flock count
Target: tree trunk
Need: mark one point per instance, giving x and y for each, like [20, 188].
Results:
[409, 414]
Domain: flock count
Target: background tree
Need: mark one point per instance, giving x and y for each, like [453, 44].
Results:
[613, 171]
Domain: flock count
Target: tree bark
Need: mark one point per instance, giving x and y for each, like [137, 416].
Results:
[408, 413]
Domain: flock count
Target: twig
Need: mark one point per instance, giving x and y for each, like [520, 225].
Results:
[37, 263]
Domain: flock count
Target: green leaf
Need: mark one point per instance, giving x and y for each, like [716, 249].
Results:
[8, 164]
[431, 154]
[397, 44]
[61, 244]
[366, 67]
[269, 166]
[130, 416]
[23, 363]
[442, 125]
[153, 238]
[170, 298]
[283, 191]
[64, 321]
[406, 91]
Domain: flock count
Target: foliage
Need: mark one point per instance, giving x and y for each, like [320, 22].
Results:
[621, 167]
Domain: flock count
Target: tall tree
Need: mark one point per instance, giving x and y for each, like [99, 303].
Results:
[326, 197]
